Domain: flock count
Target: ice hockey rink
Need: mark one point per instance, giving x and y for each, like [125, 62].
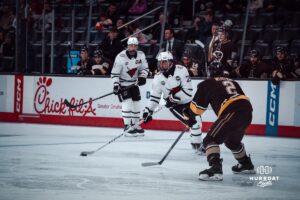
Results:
[43, 162]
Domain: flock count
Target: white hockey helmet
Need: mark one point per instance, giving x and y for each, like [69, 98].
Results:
[132, 40]
[165, 55]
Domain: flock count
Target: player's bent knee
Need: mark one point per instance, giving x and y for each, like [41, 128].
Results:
[233, 146]
[208, 140]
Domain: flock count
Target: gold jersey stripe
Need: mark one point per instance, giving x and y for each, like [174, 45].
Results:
[195, 109]
[229, 101]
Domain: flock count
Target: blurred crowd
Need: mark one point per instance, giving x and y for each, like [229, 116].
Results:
[211, 36]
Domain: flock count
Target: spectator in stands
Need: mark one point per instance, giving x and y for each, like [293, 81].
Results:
[201, 27]
[103, 23]
[255, 67]
[172, 44]
[133, 30]
[111, 45]
[7, 52]
[212, 39]
[112, 13]
[192, 65]
[102, 65]
[85, 64]
[7, 48]
[197, 31]
[156, 30]
[209, 19]
[138, 7]
[1, 36]
[282, 66]
[216, 62]
[123, 31]
[297, 65]
[7, 19]
[48, 18]
[227, 47]
[255, 5]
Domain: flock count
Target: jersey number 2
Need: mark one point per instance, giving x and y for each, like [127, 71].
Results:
[230, 88]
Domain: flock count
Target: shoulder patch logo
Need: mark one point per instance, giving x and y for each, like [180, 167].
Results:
[177, 78]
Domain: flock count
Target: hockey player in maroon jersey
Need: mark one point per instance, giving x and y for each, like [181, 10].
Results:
[234, 112]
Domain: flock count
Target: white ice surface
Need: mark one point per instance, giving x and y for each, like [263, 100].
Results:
[42, 162]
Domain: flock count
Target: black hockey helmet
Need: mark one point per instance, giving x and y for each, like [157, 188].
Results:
[215, 69]
[98, 53]
[84, 48]
[254, 53]
[280, 49]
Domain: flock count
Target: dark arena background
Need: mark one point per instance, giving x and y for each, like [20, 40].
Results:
[61, 126]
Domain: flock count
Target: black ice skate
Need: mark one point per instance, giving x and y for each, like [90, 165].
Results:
[214, 173]
[129, 131]
[140, 131]
[244, 166]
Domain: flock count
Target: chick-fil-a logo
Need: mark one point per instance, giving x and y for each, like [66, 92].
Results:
[44, 104]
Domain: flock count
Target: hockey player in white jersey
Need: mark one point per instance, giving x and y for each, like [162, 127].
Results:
[174, 83]
[130, 70]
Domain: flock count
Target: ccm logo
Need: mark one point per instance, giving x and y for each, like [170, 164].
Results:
[273, 99]
[19, 95]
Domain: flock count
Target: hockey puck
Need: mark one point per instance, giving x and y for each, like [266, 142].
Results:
[83, 154]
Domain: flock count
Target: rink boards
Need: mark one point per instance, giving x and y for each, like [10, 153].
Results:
[39, 99]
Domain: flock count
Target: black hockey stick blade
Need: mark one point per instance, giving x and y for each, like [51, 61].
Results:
[69, 104]
[85, 153]
[147, 164]
[168, 152]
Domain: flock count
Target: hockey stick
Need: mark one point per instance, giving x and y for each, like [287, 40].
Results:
[86, 153]
[198, 42]
[146, 164]
[91, 100]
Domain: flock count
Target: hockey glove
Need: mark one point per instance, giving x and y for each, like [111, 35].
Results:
[189, 117]
[141, 81]
[172, 101]
[147, 115]
[117, 89]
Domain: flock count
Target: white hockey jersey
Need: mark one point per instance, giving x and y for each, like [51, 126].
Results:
[163, 85]
[126, 71]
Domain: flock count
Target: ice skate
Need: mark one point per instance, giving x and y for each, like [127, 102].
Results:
[214, 173]
[129, 131]
[244, 166]
[140, 131]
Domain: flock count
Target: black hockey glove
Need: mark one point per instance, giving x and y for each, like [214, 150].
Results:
[189, 117]
[117, 89]
[172, 101]
[147, 115]
[141, 81]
